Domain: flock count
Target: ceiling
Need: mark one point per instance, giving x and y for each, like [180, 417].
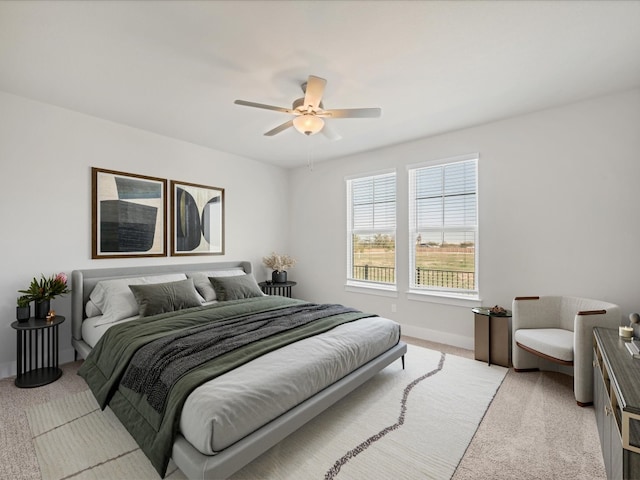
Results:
[175, 68]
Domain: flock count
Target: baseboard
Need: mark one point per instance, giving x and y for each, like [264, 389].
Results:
[452, 339]
[9, 369]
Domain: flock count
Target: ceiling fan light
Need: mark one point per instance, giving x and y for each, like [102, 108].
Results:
[308, 124]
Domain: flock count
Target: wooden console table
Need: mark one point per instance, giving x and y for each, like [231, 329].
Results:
[616, 400]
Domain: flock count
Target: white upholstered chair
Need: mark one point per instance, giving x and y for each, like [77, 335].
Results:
[560, 329]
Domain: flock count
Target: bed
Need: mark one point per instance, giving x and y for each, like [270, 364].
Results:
[291, 376]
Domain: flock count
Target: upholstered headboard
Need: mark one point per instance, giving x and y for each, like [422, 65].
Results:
[84, 281]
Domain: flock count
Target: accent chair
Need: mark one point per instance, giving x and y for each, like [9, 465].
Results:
[560, 329]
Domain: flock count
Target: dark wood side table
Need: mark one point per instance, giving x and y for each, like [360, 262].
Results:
[282, 289]
[492, 334]
[37, 352]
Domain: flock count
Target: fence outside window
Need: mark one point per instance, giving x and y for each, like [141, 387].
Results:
[424, 276]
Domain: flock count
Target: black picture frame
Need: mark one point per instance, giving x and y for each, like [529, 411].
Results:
[129, 215]
[197, 219]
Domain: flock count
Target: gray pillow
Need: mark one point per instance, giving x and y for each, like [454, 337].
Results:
[165, 297]
[203, 285]
[235, 288]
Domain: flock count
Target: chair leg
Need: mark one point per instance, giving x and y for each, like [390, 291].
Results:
[586, 404]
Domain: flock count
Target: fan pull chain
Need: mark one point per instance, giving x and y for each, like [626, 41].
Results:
[309, 157]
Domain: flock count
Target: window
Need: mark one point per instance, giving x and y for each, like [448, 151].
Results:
[443, 226]
[371, 230]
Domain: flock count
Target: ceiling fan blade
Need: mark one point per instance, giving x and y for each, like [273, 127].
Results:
[262, 105]
[352, 113]
[329, 132]
[279, 129]
[313, 91]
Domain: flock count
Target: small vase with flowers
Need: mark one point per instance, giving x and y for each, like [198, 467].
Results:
[279, 263]
[44, 290]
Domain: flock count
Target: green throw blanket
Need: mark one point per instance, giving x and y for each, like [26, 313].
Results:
[148, 401]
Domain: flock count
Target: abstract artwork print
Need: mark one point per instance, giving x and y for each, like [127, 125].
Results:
[197, 219]
[129, 215]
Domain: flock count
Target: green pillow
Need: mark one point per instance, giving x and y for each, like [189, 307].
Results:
[235, 288]
[165, 297]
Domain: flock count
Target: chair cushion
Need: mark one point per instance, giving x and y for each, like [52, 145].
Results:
[554, 342]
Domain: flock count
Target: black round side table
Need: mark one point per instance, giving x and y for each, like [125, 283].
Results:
[282, 289]
[37, 351]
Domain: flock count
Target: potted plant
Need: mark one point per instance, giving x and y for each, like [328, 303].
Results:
[23, 310]
[279, 264]
[44, 290]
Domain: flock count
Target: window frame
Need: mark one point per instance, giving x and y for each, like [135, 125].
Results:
[417, 291]
[353, 284]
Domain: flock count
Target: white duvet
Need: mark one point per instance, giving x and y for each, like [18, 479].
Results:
[226, 409]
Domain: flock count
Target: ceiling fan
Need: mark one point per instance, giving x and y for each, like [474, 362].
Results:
[309, 112]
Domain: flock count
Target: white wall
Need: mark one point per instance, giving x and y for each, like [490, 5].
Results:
[46, 155]
[559, 207]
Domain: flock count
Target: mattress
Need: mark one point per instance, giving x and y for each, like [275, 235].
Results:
[224, 410]
[93, 328]
[92, 331]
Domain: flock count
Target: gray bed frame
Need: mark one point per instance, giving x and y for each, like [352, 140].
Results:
[191, 462]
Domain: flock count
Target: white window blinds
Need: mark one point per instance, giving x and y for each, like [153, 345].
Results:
[371, 204]
[443, 226]
[374, 203]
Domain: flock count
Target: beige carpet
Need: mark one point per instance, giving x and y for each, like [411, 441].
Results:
[413, 424]
[563, 445]
[534, 430]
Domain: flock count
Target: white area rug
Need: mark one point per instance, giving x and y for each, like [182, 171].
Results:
[411, 424]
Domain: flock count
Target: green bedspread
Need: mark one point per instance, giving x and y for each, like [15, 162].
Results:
[155, 430]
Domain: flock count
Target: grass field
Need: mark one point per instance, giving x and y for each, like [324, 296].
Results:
[437, 266]
[449, 258]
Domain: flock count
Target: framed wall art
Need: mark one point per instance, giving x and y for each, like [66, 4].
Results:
[197, 219]
[129, 215]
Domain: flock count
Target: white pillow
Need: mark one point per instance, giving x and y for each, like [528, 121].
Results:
[115, 299]
[91, 310]
[203, 285]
